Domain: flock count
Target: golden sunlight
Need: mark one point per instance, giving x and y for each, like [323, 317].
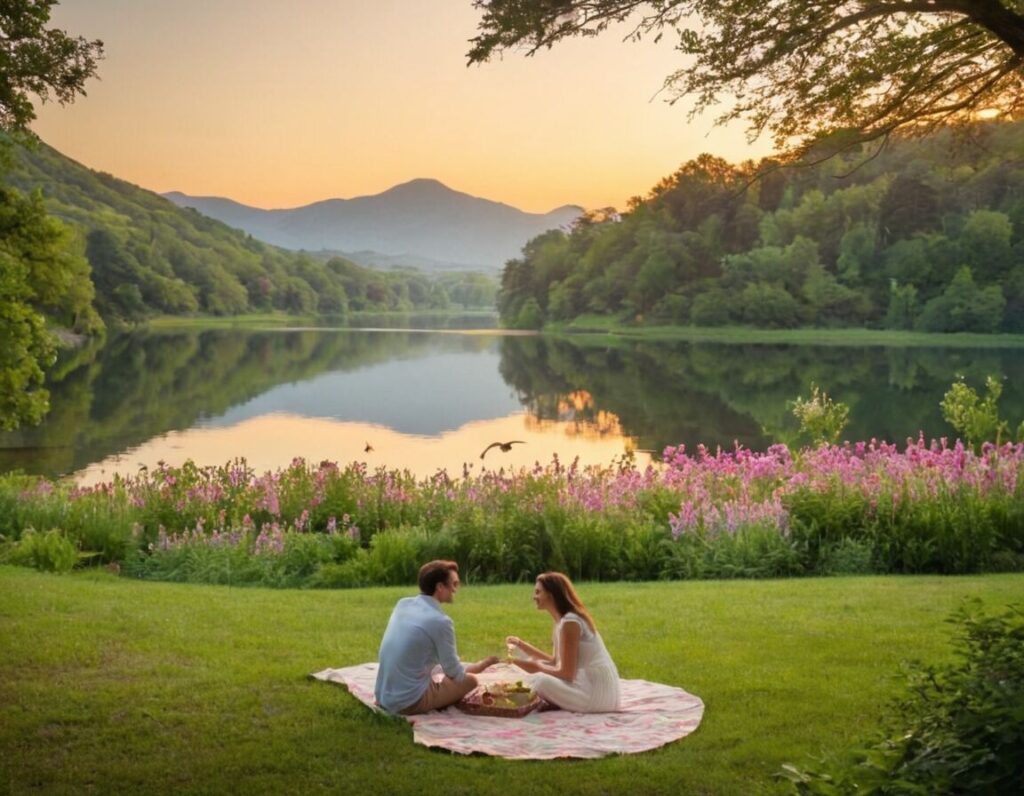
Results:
[269, 442]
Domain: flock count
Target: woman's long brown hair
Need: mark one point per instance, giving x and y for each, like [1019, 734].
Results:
[566, 599]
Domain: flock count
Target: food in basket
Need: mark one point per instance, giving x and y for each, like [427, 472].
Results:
[507, 695]
[511, 700]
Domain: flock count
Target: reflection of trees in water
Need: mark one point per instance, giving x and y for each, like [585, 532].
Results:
[667, 393]
[575, 415]
[137, 386]
[106, 398]
[653, 399]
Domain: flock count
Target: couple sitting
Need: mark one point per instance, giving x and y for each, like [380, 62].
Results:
[578, 675]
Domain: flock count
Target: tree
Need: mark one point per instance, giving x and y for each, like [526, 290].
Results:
[25, 349]
[964, 307]
[902, 310]
[40, 61]
[769, 306]
[985, 244]
[804, 69]
[36, 270]
[910, 205]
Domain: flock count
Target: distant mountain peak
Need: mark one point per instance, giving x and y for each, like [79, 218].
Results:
[422, 219]
[421, 188]
[421, 182]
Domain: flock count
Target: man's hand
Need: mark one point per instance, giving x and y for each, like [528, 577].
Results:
[479, 666]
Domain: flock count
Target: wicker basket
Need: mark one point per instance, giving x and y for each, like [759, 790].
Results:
[474, 702]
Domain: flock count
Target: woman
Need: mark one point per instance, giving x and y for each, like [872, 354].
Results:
[580, 674]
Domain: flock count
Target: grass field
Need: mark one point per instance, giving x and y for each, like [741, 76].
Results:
[109, 685]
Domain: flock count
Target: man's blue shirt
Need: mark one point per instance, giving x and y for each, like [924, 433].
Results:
[419, 636]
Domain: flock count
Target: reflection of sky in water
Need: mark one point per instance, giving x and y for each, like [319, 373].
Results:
[425, 396]
[436, 409]
[271, 441]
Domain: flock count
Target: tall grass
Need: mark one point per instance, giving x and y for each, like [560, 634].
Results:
[855, 508]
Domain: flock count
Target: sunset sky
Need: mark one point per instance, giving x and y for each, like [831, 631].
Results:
[281, 104]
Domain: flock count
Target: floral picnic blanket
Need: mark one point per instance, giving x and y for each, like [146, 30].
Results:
[650, 715]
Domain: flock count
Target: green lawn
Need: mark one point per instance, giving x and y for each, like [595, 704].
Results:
[109, 685]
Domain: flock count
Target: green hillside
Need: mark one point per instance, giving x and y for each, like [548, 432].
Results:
[926, 234]
[149, 257]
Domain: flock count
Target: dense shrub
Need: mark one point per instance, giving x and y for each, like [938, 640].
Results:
[959, 729]
[49, 552]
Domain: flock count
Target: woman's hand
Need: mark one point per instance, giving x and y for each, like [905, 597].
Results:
[513, 641]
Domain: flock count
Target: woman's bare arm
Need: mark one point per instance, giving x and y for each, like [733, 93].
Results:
[563, 667]
[529, 649]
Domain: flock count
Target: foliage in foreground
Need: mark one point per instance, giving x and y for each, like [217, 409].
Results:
[855, 508]
[959, 729]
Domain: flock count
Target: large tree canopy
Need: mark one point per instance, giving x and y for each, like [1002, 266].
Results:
[40, 61]
[803, 69]
[38, 273]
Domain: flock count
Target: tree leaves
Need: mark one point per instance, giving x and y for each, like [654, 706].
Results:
[38, 60]
[803, 69]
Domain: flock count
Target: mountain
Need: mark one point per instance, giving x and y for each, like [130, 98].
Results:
[422, 219]
[148, 256]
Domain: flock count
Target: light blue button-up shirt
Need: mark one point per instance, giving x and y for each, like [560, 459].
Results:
[419, 636]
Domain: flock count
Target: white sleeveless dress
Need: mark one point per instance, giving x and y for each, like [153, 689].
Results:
[595, 689]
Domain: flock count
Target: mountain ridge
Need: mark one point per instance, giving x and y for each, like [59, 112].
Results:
[421, 218]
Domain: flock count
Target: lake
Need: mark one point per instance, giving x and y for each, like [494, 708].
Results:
[434, 399]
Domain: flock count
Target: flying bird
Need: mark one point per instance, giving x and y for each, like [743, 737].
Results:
[505, 446]
[368, 448]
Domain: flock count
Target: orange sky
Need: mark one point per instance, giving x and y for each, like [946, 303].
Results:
[279, 104]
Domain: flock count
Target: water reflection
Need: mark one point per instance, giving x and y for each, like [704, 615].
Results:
[666, 393]
[434, 400]
[273, 440]
[436, 390]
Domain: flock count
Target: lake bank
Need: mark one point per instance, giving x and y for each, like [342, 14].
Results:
[611, 329]
[439, 319]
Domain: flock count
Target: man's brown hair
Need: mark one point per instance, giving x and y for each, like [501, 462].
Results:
[434, 572]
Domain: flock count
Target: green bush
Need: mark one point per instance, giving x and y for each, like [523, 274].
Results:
[847, 557]
[50, 552]
[821, 419]
[959, 729]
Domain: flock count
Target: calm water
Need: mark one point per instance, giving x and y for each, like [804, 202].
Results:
[426, 400]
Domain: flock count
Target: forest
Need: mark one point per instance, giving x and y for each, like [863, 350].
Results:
[924, 234]
[143, 256]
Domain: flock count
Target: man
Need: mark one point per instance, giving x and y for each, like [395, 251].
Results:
[419, 636]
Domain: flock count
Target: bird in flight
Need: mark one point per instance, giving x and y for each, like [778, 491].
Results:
[368, 448]
[505, 446]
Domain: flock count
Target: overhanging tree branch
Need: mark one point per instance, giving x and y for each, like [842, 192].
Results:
[803, 68]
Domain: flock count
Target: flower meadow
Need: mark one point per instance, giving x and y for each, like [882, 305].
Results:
[865, 507]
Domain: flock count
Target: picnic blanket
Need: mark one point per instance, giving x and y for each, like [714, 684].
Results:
[650, 715]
